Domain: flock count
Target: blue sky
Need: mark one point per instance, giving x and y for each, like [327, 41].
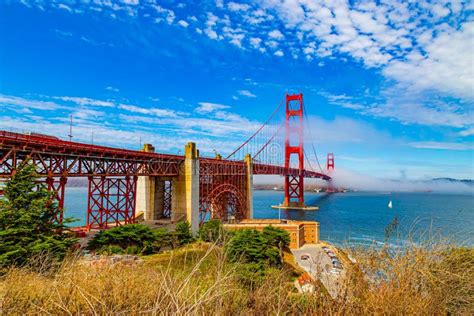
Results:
[388, 86]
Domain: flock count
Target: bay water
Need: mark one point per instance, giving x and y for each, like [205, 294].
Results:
[358, 218]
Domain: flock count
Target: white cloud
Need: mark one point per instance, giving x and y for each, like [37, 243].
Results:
[152, 111]
[183, 23]
[467, 132]
[440, 10]
[86, 101]
[247, 93]
[447, 65]
[17, 102]
[64, 7]
[255, 42]
[207, 107]
[233, 6]
[279, 53]
[442, 145]
[164, 14]
[110, 88]
[211, 33]
[276, 34]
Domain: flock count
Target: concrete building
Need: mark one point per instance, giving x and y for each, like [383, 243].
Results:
[301, 232]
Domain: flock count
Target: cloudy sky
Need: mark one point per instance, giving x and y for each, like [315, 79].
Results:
[388, 86]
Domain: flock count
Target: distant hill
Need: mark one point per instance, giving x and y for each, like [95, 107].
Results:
[465, 181]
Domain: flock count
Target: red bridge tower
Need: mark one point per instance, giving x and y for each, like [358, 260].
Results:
[294, 184]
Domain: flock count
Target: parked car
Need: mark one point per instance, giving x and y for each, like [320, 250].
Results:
[337, 265]
[335, 271]
[331, 254]
[304, 257]
[325, 248]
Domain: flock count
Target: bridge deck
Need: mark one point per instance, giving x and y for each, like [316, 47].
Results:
[56, 157]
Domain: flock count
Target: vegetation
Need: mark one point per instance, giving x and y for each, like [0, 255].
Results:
[134, 238]
[198, 279]
[183, 233]
[27, 226]
[242, 273]
[254, 247]
[140, 239]
[212, 231]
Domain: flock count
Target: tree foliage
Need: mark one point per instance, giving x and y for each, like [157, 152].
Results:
[277, 237]
[140, 239]
[27, 227]
[183, 233]
[118, 239]
[251, 246]
[212, 231]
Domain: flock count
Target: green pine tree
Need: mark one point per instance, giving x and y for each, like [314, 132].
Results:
[27, 227]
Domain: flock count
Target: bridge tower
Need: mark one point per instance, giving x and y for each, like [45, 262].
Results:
[294, 184]
[330, 162]
[329, 168]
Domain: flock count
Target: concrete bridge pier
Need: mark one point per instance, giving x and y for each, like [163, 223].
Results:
[249, 163]
[151, 194]
[185, 189]
[151, 197]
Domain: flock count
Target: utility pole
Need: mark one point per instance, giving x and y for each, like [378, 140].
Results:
[70, 130]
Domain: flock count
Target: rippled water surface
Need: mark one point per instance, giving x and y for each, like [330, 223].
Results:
[359, 217]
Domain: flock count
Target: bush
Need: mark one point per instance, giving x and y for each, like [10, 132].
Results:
[139, 236]
[212, 231]
[251, 246]
[183, 233]
[277, 237]
[27, 227]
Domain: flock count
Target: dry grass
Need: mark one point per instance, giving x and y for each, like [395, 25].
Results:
[197, 280]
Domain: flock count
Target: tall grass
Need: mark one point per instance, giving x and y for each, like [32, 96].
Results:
[198, 280]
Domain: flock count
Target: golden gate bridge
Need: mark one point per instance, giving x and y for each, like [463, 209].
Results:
[178, 187]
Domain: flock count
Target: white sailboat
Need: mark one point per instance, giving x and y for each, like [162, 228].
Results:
[390, 204]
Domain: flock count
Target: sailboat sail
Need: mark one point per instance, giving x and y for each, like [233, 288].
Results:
[390, 204]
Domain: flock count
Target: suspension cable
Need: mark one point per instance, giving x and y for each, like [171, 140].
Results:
[256, 132]
[311, 138]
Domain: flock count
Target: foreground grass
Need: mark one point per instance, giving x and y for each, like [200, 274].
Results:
[197, 279]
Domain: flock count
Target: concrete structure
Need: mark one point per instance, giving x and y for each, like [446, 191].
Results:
[248, 162]
[185, 196]
[301, 232]
[150, 197]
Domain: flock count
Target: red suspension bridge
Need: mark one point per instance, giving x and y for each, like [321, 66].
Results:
[122, 182]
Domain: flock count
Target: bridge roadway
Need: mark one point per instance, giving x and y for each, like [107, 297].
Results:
[55, 158]
[124, 182]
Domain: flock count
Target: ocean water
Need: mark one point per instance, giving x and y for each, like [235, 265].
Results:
[358, 218]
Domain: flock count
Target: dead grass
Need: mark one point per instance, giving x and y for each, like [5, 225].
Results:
[197, 280]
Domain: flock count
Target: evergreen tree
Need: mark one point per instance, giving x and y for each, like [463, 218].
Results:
[183, 233]
[27, 225]
[212, 231]
[251, 246]
[277, 237]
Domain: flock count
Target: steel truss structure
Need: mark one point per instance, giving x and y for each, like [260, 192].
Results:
[167, 198]
[222, 190]
[58, 188]
[111, 201]
[113, 172]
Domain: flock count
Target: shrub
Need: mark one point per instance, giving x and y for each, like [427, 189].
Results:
[183, 233]
[27, 227]
[211, 231]
[277, 237]
[251, 246]
[133, 235]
